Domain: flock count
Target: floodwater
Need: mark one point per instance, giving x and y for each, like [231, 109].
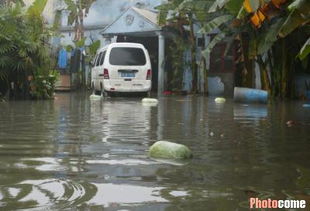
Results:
[77, 154]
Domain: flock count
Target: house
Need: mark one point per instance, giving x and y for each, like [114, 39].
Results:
[137, 21]
[141, 25]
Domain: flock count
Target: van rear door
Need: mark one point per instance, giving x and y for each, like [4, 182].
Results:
[128, 63]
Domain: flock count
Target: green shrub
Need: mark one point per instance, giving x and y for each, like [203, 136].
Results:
[43, 86]
[25, 50]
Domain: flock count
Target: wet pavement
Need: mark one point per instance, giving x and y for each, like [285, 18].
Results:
[77, 154]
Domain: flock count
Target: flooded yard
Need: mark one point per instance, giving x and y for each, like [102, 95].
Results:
[73, 153]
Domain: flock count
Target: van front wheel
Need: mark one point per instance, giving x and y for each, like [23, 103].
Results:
[93, 88]
[103, 92]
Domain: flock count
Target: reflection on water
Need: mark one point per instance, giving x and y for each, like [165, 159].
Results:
[250, 112]
[80, 154]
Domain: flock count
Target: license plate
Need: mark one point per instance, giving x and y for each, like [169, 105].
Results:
[127, 75]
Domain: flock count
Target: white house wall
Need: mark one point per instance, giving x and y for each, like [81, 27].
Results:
[135, 24]
[103, 12]
[106, 11]
[91, 36]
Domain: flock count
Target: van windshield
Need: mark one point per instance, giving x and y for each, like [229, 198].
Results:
[127, 56]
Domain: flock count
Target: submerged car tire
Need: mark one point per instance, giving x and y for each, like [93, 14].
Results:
[103, 92]
[94, 91]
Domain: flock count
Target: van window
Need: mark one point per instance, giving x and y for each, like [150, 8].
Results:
[99, 59]
[95, 60]
[127, 56]
[102, 59]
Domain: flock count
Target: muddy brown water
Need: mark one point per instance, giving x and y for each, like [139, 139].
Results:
[77, 154]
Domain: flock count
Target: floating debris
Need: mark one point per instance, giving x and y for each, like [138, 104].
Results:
[169, 150]
[95, 97]
[149, 101]
[290, 123]
[306, 105]
[220, 100]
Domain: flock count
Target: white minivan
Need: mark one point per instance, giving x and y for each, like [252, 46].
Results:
[122, 67]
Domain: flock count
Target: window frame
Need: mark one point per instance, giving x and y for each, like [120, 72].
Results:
[98, 59]
[104, 53]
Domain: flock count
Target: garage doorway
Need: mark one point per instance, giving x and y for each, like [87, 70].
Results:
[151, 44]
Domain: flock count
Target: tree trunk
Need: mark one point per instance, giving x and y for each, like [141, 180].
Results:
[193, 56]
[205, 74]
[284, 69]
[264, 74]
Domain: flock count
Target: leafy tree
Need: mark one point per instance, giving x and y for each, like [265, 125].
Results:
[11, 2]
[25, 51]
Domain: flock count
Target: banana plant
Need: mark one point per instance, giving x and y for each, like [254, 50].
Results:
[78, 11]
[270, 26]
[181, 14]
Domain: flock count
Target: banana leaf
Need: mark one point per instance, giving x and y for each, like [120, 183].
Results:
[215, 23]
[305, 50]
[218, 38]
[37, 7]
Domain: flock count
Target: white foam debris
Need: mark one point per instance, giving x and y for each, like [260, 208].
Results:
[149, 101]
[220, 100]
[95, 97]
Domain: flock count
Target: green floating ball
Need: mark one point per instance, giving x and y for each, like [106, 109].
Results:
[169, 150]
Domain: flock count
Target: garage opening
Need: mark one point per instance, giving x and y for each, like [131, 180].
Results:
[151, 44]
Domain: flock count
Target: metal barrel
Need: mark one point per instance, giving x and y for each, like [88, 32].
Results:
[247, 95]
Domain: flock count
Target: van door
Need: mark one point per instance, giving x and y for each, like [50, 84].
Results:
[128, 63]
[96, 72]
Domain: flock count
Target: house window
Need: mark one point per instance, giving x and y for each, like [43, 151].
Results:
[221, 63]
[201, 42]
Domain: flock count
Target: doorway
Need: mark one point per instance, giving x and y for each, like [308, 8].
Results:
[151, 44]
